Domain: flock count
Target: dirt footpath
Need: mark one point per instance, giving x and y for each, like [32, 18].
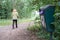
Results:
[20, 33]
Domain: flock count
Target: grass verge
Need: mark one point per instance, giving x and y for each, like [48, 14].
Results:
[5, 22]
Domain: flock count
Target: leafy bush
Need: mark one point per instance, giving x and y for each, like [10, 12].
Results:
[57, 26]
[56, 34]
[35, 27]
[41, 33]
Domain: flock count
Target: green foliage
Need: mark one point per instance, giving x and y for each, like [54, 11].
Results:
[56, 35]
[4, 22]
[43, 34]
[24, 7]
[57, 26]
[34, 28]
[5, 9]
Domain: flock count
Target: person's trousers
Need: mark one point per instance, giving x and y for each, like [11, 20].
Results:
[14, 23]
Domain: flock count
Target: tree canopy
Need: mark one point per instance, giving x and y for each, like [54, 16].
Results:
[24, 7]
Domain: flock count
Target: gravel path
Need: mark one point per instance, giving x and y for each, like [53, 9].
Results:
[20, 33]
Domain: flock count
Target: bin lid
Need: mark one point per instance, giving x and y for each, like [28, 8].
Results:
[41, 10]
[44, 7]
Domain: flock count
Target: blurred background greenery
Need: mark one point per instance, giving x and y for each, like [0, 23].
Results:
[27, 10]
[24, 7]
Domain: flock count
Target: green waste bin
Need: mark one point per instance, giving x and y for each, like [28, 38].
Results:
[47, 18]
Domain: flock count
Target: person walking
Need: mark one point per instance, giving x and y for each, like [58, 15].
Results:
[14, 17]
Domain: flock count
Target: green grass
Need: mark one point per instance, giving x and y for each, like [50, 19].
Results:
[4, 22]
